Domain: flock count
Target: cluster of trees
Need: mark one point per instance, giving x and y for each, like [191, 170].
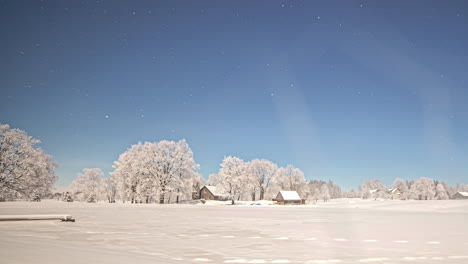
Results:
[165, 171]
[26, 171]
[158, 171]
[419, 189]
[249, 180]
[262, 179]
[147, 172]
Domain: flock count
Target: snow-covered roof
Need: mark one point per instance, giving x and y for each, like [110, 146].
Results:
[215, 191]
[374, 190]
[290, 195]
[463, 193]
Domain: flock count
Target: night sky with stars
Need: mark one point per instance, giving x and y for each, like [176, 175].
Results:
[344, 90]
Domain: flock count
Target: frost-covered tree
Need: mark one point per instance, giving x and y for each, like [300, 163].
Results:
[197, 182]
[441, 193]
[110, 189]
[335, 190]
[402, 186]
[162, 169]
[313, 190]
[373, 189]
[262, 171]
[290, 178]
[351, 194]
[324, 193]
[87, 186]
[422, 189]
[315, 194]
[232, 173]
[25, 170]
[214, 180]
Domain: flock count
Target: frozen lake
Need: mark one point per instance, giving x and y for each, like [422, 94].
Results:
[337, 232]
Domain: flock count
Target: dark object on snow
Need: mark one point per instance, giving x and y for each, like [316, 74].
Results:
[67, 198]
[92, 199]
[63, 218]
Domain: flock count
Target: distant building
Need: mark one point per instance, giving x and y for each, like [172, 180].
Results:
[395, 191]
[289, 197]
[460, 195]
[212, 193]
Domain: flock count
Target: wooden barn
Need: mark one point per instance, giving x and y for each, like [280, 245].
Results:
[289, 197]
[460, 195]
[395, 191]
[212, 193]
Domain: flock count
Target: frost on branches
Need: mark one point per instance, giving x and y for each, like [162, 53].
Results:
[87, 186]
[263, 172]
[234, 177]
[25, 170]
[156, 170]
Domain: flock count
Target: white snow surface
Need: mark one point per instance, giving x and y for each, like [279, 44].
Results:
[290, 195]
[339, 231]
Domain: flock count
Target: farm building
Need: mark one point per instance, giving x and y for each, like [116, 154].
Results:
[460, 195]
[394, 191]
[212, 193]
[288, 197]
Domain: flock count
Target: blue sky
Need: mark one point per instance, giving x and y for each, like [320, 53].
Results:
[344, 90]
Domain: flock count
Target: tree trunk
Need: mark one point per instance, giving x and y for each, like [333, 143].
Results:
[253, 196]
[161, 198]
[262, 194]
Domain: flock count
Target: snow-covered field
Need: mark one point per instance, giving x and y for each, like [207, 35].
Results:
[340, 231]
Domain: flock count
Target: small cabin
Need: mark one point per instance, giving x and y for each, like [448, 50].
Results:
[460, 195]
[289, 197]
[212, 193]
[395, 191]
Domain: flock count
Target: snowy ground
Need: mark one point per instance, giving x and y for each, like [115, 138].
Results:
[341, 231]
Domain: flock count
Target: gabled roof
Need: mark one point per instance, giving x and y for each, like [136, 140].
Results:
[464, 193]
[290, 195]
[213, 190]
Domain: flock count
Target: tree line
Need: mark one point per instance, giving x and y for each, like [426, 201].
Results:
[166, 172]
